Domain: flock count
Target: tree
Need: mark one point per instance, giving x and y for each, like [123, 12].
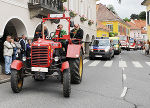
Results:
[111, 8]
[134, 16]
[142, 15]
[127, 19]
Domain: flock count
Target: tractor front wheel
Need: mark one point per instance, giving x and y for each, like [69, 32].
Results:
[16, 81]
[66, 83]
[76, 68]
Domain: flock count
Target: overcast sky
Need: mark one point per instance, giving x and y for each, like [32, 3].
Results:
[126, 8]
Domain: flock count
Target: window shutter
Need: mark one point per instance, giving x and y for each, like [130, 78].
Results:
[148, 17]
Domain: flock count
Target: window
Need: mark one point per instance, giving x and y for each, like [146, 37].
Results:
[148, 17]
[110, 26]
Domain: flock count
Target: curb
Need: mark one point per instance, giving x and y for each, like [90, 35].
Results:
[4, 81]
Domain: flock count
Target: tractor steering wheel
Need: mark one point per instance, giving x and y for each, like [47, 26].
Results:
[49, 37]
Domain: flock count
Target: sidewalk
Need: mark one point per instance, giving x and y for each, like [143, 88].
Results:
[3, 78]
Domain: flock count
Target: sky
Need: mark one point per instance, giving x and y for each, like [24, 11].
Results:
[126, 8]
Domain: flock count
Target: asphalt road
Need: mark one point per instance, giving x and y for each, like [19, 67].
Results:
[123, 82]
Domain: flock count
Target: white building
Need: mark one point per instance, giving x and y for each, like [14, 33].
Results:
[19, 17]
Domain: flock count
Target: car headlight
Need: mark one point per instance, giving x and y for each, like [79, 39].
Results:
[116, 48]
[92, 50]
[106, 50]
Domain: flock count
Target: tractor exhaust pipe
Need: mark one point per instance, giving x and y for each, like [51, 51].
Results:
[43, 31]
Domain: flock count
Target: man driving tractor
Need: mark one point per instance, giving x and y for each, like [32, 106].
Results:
[77, 32]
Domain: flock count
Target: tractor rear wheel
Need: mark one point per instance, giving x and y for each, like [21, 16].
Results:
[76, 69]
[66, 83]
[16, 81]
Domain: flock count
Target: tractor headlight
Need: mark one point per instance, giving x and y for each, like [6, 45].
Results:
[24, 59]
[56, 59]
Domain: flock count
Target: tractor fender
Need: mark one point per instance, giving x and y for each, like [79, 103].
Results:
[17, 64]
[65, 65]
[73, 51]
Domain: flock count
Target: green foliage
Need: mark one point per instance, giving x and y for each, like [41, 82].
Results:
[134, 16]
[142, 15]
[64, 1]
[111, 8]
[127, 19]
[112, 34]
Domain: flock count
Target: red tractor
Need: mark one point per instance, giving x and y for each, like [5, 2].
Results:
[49, 56]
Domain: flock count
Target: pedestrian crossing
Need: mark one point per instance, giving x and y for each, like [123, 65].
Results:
[121, 63]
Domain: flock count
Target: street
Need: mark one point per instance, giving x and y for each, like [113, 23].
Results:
[123, 82]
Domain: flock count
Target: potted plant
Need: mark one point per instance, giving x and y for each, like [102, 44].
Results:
[90, 22]
[83, 18]
[72, 14]
[64, 1]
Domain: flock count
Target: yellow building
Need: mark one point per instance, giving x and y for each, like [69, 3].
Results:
[102, 31]
[112, 21]
[147, 4]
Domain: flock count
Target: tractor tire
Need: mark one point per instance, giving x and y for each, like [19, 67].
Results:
[16, 81]
[66, 83]
[76, 69]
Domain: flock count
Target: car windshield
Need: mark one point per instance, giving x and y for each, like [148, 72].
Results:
[115, 42]
[131, 41]
[101, 43]
[123, 37]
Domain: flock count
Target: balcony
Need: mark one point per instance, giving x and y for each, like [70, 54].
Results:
[41, 8]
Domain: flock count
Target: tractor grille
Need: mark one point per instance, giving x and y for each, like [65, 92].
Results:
[39, 55]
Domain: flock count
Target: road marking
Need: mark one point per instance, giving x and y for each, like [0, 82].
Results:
[85, 61]
[137, 64]
[124, 92]
[148, 63]
[108, 64]
[95, 63]
[124, 77]
[122, 64]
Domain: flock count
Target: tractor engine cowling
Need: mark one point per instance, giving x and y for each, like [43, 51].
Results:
[42, 52]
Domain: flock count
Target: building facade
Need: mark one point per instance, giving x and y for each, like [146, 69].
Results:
[112, 21]
[135, 32]
[147, 4]
[102, 31]
[20, 17]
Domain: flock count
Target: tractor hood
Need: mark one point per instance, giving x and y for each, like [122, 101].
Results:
[43, 42]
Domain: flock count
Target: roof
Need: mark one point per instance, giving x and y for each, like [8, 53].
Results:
[133, 26]
[104, 14]
[145, 2]
[102, 27]
[141, 24]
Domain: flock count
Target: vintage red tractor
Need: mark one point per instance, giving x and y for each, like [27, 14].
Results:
[47, 57]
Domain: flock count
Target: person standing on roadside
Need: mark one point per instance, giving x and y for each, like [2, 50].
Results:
[8, 52]
[16, 53]
[28, 46]
[23, 46]
[147, 48]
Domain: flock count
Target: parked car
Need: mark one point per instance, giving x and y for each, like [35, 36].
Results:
[101, 48]
[132, 44]
[124, 41]
[116, 44]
